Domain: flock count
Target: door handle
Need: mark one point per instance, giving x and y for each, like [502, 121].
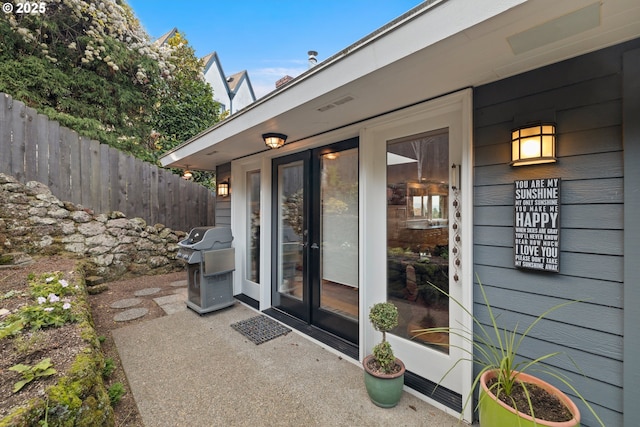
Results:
[315, 246]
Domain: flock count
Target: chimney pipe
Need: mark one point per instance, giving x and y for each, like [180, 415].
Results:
[312, 58]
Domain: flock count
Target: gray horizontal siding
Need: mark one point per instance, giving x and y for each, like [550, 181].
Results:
[571, 264]
[631, 132]
[585, 95]
[603, 292]
[223, 204]
[600, 242]
[590, 191]
[595, 166]
[604, 217]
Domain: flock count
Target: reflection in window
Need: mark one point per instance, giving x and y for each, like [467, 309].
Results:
[418, 234]
[253, 226]
[339, 233]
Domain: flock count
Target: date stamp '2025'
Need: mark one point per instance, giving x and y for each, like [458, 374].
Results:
[25, 8]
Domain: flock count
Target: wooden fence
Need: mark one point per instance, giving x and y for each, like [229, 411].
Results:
[83, 171]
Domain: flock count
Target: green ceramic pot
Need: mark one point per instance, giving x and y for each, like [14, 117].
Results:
[385, 390]
[493, 412]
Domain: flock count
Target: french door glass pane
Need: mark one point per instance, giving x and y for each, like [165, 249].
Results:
[418, 234]
[253, 226]
[291, 229]
[339, 232]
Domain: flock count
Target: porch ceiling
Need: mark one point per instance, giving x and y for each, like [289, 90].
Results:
[436, 48]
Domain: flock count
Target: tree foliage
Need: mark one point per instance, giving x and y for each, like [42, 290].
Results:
[187, 106]
[91, 66]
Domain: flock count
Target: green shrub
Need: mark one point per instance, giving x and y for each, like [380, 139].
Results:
[384, 317]
[116, 391]
[108, 368]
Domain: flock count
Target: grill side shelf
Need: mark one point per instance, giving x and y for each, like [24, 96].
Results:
[219, 261]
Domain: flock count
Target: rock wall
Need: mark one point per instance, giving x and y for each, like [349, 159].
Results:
[34, 221]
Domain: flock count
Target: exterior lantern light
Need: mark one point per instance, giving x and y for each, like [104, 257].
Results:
[533, 144]
[223, 188]
[187, 173]
[274, 140]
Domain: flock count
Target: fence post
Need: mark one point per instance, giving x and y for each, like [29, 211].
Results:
[30, 144]
[42, 135]
[17, 142]
[6, 122]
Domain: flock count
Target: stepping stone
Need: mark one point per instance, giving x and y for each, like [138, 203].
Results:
[131, 314]
[178, 283]
[169, 299]
[172, 303]
[147, 291]
[126, 303]
[175, 307]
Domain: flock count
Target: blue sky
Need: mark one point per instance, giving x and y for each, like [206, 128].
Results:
[268, 38]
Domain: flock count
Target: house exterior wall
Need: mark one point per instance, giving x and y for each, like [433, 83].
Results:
[585, 97]
[631, 141]
[242, 97]
[223, 204]
[216, 79]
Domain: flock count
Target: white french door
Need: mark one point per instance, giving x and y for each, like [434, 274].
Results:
[423, 204]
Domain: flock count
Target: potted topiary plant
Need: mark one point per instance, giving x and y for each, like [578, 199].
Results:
[383, 372]
[509, 395]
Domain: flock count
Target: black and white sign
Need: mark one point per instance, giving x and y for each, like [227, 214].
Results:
[537, 224]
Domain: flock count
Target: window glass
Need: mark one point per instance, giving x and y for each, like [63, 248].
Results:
[418, 234]
[253, 226]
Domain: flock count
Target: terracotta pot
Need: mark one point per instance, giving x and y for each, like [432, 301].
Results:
[385, 390]
[493, 412]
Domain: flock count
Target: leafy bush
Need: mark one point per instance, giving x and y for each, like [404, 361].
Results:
[109, 367]
[116, 391]
[384, 317]
[92, 67]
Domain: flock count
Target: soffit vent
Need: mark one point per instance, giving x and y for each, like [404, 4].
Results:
[336, 103]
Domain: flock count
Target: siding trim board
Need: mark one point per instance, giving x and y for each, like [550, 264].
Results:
[631, 141]
[591, 95]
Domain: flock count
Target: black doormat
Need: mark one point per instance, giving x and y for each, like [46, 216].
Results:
[260, 329]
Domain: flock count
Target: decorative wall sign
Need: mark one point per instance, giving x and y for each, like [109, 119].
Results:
[537, 224]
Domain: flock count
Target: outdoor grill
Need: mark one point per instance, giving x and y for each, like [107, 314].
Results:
[210, 264]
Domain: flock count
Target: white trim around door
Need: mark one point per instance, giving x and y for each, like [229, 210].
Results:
[454, 113]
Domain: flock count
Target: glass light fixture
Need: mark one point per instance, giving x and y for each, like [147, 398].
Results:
[533, 144]
[187, 173]
[274, 140]
[223, 188]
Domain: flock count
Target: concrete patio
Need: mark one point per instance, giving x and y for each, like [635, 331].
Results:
[191, 370]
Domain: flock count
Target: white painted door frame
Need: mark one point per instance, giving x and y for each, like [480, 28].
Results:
[455, 112]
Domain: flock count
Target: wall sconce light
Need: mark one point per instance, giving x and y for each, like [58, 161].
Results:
[274, 140]
[223, 188]
[533, 144]
[187, 173]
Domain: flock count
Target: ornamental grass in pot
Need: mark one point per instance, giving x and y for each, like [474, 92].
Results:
[509, 395]
[383, 372]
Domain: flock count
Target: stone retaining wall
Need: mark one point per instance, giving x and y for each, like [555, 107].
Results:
[34, 221]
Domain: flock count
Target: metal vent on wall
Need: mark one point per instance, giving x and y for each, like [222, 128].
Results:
[336, 103]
